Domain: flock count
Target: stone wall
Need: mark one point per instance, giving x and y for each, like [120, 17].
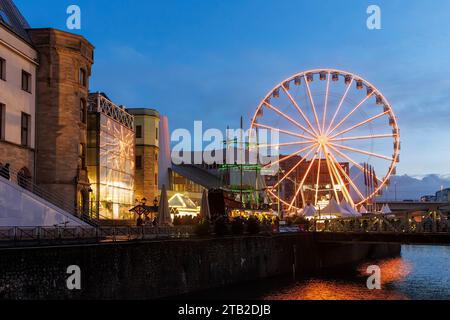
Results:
[146, 183]
[60, 131]
[168, 268]
[18, 157]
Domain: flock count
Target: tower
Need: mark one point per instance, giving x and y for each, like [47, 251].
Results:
[61, 114]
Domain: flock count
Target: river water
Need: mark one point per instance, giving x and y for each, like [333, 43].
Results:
[421, 273]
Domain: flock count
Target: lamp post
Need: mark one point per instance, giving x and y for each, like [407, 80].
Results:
[395, 190]
[278, 190]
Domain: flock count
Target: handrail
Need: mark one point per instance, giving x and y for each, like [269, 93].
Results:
[53, 197]
[23, 235]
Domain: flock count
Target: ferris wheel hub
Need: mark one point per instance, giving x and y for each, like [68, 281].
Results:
[322, 140]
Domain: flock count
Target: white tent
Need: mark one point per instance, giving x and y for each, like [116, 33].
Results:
[350, 210]
[334, 209]
[309, 211]
[164, 217]
[386, 210]
[363, 210]
[204, 210]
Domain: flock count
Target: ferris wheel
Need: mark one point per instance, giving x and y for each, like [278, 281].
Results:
[338, 137]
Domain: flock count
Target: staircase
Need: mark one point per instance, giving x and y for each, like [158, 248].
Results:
[14, 186]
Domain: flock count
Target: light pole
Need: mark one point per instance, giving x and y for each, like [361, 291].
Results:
[395, 190]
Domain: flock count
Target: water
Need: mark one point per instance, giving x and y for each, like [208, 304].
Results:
[421, 273]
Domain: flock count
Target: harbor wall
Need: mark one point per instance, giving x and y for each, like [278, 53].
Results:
[149, 270]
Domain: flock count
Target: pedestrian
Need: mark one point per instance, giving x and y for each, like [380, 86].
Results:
[155, 222]
[4, 171]
[140, 221]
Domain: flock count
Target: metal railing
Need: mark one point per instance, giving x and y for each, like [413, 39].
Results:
[36, 235]
[55, 198]
[382, 224]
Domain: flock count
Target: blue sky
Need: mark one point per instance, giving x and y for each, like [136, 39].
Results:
[215, 60]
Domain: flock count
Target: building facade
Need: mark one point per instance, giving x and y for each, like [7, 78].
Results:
[18, 67]
[147, 153]
[111, 159]
[443, 196]
[61, 114]
[290, 185]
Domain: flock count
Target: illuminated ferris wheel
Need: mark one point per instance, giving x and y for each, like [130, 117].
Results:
[336, 132]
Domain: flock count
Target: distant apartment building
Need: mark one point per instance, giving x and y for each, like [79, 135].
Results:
[61, 114]
[147, 153]
[110, 159]
[18, 67]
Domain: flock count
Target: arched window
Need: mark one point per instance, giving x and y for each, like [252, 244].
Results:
[81, 202]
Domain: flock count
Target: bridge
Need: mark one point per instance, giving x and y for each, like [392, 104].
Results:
[431, 228]
[415, 206]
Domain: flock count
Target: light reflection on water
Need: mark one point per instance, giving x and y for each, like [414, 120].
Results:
[421, 273]
[349, 287]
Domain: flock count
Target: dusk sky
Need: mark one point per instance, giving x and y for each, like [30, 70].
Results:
[215, 60]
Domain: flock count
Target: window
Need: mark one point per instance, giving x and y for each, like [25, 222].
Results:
[25, 129]
[2, 121]
[156, 179]
[138, 162]
[82, 79]
[83, 111]
[26, 81]
[138, 132]
[156, 156]
[2, 69]
[82, 156]
[157, 132]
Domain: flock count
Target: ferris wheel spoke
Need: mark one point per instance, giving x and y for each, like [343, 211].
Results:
[344, 191]
[295, 167]
[318, 179]
[348, 178]
[279, 112]
[283, 131]
[340, 105]
[357, 165]
[299, 110]
[351, 112]
[362, 152]
[289, 157]
[304, 179]
[285, 144]
[362, 123]
[330, 171]
[313, 106]
[375, 136]
[324, 115]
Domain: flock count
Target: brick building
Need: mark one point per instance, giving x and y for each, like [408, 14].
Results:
[61, 114]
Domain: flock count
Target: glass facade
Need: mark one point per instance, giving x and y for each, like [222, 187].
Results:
[111, 167]
[182, 184]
